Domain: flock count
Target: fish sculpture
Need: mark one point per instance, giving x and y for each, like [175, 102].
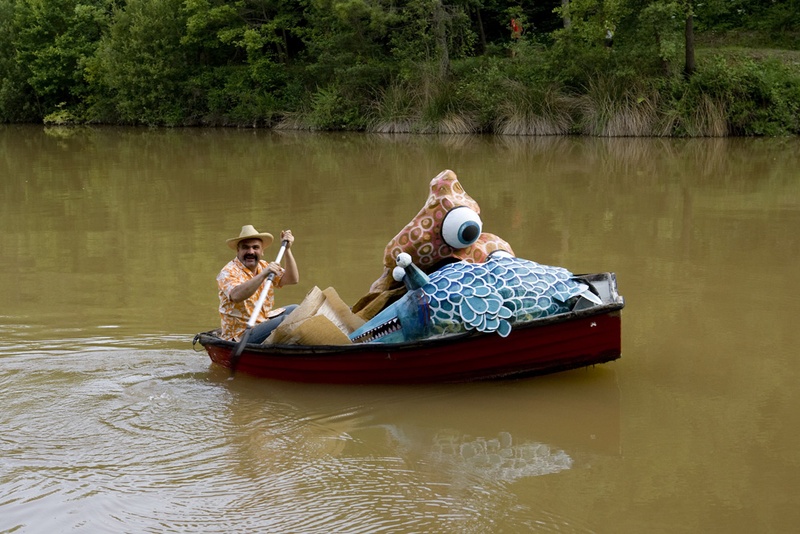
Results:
[483, 297]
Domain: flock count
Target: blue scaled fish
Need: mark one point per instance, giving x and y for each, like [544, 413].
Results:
[484, 297]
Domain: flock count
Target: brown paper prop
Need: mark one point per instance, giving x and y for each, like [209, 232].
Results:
[321, 319]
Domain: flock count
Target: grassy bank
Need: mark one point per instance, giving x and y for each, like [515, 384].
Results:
[735, 91]
[522, 89]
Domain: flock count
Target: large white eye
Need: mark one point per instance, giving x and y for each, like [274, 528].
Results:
[461, 227]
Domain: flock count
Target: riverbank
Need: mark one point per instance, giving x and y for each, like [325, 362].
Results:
[671, 69]
[735, 91]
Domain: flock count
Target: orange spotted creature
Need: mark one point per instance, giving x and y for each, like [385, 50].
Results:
[448, 228]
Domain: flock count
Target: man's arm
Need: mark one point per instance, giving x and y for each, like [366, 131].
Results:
[246, 289]
[291, 275]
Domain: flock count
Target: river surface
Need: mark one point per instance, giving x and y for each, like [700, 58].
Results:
[110, 422]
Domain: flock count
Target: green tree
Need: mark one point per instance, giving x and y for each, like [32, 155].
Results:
[581, 48]
[344, 37]
[243, 51]
[433, 32]
[140, 71]
[52, 40]
[16, 103]
[659, 31]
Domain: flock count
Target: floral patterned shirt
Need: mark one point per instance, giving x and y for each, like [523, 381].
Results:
[234, 315]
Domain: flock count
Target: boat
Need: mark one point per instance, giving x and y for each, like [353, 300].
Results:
[467, 309]
[588, 334]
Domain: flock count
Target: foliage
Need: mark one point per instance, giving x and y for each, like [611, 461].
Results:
[15, 101]
[755, 98]
[598, 67]
[140, 66]
[767, 15]
[432, 31]
[52, 41]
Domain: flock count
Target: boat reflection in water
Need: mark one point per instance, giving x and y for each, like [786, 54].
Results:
[498, 458]
[498, 432]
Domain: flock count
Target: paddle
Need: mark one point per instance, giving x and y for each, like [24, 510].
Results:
[259, 304]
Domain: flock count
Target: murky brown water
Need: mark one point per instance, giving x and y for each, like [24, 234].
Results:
[111, 239]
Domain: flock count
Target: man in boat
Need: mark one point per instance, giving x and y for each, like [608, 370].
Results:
[241, 282]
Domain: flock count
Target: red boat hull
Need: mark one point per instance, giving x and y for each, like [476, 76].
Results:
[544, 346]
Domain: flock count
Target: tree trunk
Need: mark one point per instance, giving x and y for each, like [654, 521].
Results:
[565, 13]
[440, 31]
[689, 66]
[480, 30]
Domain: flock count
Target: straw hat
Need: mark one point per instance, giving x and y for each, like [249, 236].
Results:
[248, 232]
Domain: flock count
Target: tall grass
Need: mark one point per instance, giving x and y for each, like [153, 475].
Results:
[608, 110]
[394, 110]
[721, 99]
[327, 109]
[707, 119]
[533, 111]
[428, 103]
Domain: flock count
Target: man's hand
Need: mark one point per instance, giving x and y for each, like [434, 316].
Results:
[286, 235]
[274, 268]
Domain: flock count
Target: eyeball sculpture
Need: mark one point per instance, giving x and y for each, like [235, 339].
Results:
[447, 227]
[484, 297]
[403, 261]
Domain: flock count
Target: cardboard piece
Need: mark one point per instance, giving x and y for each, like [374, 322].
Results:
[370, 304]
[321, 319]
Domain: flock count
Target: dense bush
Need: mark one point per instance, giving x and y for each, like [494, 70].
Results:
[585, 66]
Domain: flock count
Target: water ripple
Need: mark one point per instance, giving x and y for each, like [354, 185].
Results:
[156, 440]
